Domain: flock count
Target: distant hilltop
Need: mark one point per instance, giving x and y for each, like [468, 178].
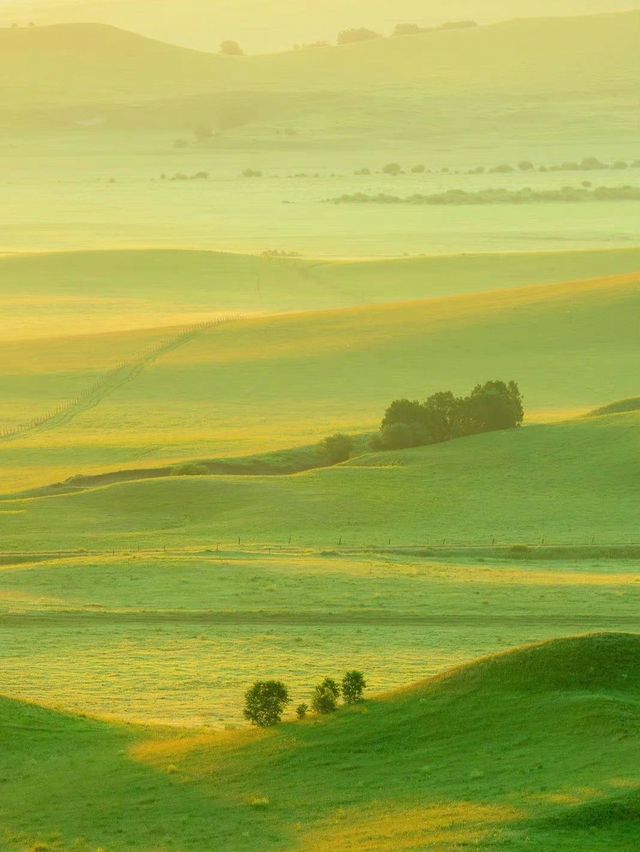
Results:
[90, 75]
[268, 26]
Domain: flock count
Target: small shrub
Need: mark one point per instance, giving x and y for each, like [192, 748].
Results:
[252, 173]
[259, 801]
[357, 34]
[301, 711]
[231, 48]
[190, 469]
[353, 687]
[407, 29]
[418, 170]
[337, 448]
[265, 703]
[392, 169]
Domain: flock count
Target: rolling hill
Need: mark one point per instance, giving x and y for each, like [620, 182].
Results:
[533, 747]
[101, 291]
[50, 77]
[198, 24]
[267, 383]
[488, 488]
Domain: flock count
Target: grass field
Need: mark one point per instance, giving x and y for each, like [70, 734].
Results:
[268, 383]
[470, 491]
[412, 769]
[183, 320]
[175, 639]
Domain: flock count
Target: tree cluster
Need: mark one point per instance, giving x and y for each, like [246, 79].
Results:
[490, 407]
[266, 701]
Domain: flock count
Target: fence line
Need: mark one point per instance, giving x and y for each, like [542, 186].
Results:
[123, 372]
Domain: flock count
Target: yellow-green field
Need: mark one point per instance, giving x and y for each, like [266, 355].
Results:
[177, 639]
[184, 320]
[259, 384]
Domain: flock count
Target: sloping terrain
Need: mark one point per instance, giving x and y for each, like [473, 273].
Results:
[50, 76]
[478, 490]
[261, 384]
[93, 291]
[194, 23]
[537, 747]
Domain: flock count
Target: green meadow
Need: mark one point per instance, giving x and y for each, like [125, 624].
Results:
[411, 769]
[184, 320]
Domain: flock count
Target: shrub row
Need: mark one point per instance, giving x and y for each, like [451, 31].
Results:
[498, 196]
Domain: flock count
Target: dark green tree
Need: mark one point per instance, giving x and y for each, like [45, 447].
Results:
[353, 687]
[265, 702]
[493, 406]
[325, 696]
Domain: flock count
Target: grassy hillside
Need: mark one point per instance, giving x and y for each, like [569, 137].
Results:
[193, 24]
[115, 290]
[536, 747]
[139, 81]
[267, 383]
[497, 486]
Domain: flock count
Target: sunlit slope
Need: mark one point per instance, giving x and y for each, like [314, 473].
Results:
[89, 292]
[195, 23]
[50, 75]
[266, 383]
[495, 487]
[412, 769]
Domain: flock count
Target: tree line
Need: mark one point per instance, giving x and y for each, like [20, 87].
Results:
[490, 407]
[266, 701]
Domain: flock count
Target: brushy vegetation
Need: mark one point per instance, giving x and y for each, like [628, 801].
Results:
[566, 195]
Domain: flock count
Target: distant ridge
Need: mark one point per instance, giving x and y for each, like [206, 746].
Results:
[49, 72]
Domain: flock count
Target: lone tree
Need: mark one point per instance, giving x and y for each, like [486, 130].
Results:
[301, 711]
[264, 703]
[353, 686]
[337, 448]
[325, 696]
[231, 48]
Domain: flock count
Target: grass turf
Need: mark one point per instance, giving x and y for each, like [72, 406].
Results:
[411, 769]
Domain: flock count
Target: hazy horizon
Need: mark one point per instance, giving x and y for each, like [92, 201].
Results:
[203, 24]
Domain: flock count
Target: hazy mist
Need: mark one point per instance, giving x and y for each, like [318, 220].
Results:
[270, 25]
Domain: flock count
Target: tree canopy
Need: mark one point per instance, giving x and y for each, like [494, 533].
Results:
[492, 406]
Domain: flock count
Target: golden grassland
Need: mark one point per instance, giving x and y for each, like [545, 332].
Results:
[267, 383]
